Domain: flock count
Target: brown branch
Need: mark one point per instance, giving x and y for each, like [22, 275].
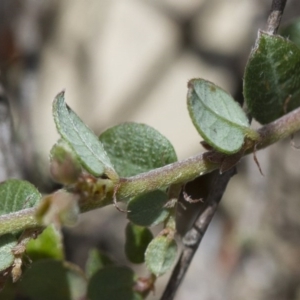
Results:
[194, 236]
[275, 16]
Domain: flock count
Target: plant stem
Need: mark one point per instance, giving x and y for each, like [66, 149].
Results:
[193, 167]
[279, 129]
[179, 172]
[275, 15]
[194, 236]
[18, 221]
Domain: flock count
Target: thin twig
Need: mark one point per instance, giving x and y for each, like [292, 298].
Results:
[193, 237]
[275, 16]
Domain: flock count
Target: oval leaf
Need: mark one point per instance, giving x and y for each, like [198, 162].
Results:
[148, 209]
[51, 279]
[160, 255]
[137, 240]
[135, 148]
[7, 243]
[217, 117]
[16, 195]
[113, 283]
[81, 139]
[272, 76]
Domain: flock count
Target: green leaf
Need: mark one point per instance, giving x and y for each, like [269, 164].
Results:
[137, 240]
[135, 148]
[47, 245]
[160, 255]
[292, 31]
[16, 195]
[113, 283]
[7, 243]
[148, 209]
[81, 139]
[217, 117]
[8, 291]
[50, 279]
[272, 76]
[96, 261]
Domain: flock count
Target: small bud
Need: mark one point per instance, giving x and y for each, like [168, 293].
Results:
[64, 165]
[59, 208]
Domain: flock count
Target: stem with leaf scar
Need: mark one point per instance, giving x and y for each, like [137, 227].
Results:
[179, 172]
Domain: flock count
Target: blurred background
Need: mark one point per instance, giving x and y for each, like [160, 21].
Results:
[131, 60]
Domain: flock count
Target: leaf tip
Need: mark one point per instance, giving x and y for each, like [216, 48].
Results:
[60, 97]
[190, 83]
[61, 93]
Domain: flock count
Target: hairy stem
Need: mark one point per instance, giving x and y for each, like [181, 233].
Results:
[179, 172]
[193, 167]
[275, 15]
[18, 221]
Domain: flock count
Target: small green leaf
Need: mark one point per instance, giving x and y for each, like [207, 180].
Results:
[47, 245]
[160, 255]
[135, 148]
[137, 240]
[7, 243]
[148, 209]
[292, 31]
[50, 279]
[81, 139]
[272, 76]
[113, 283]
[96, 261]
[16, 195]
[217, 117]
